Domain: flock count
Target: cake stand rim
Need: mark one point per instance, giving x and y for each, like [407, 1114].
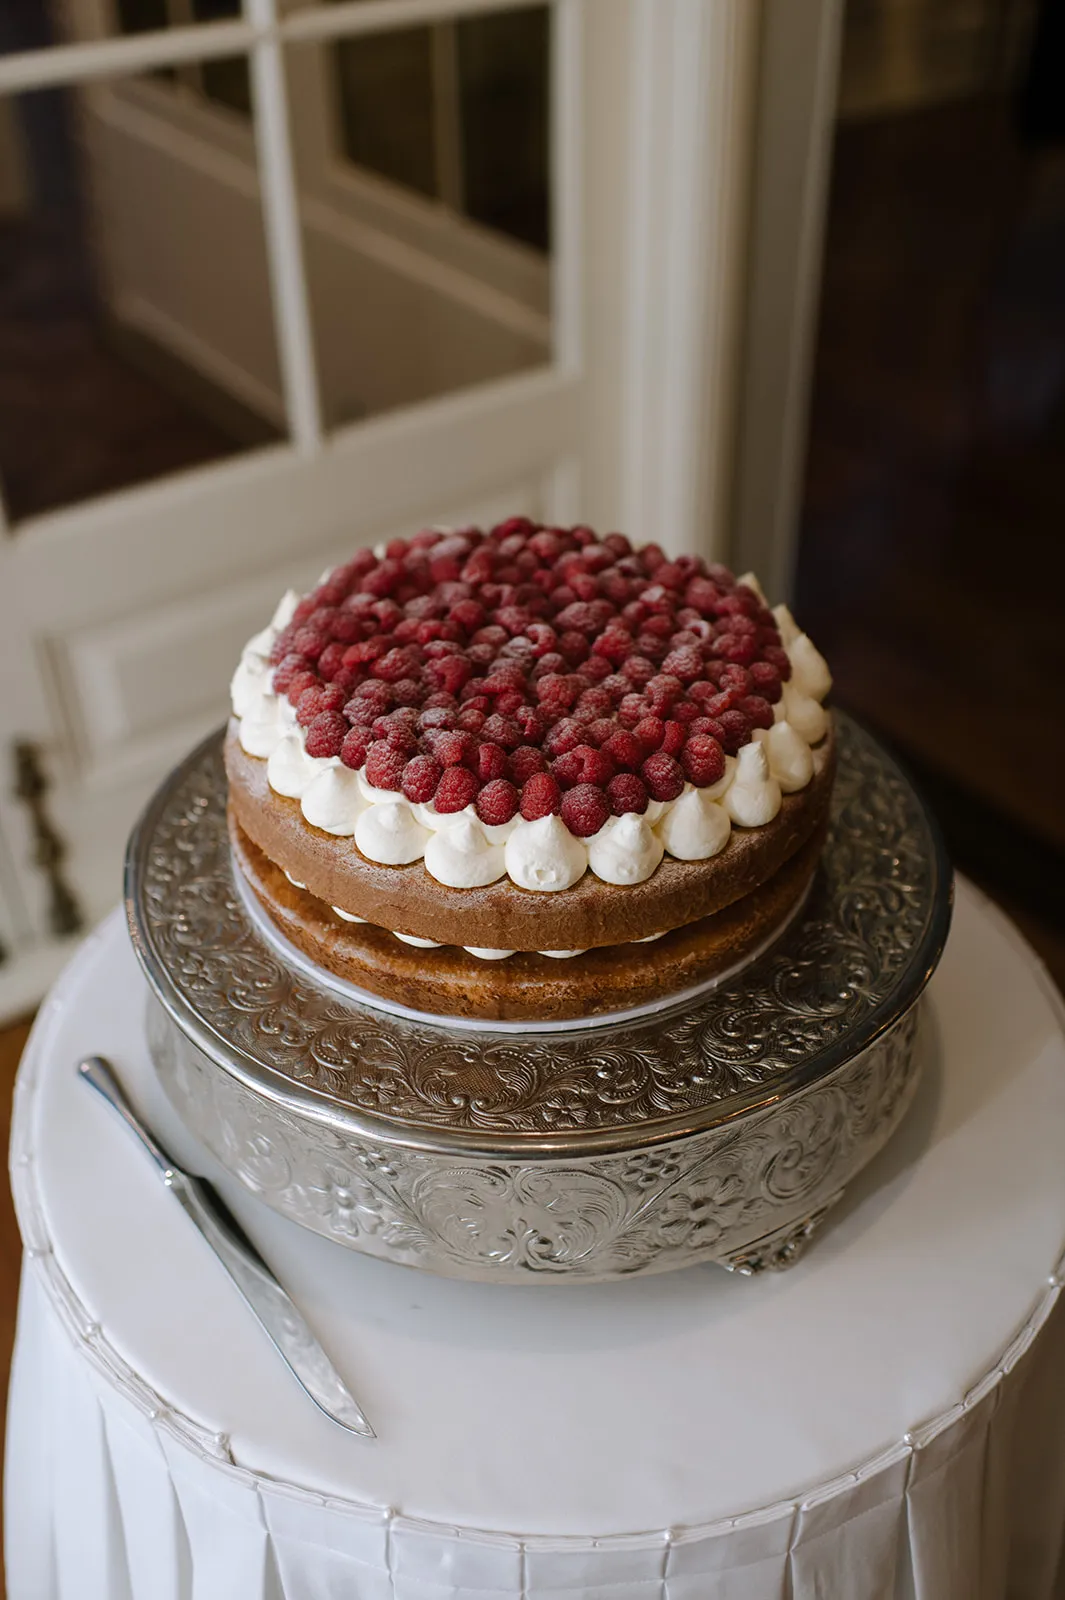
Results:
[306, 1100]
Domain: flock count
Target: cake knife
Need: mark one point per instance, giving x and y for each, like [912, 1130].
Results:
[284, 1324]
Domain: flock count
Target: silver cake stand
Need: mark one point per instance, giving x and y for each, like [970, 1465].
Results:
[721, 1128]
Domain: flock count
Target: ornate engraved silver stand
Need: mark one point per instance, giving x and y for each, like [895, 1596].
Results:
[722, 1129]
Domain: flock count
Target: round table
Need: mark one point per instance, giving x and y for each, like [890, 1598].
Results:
[885, 1419]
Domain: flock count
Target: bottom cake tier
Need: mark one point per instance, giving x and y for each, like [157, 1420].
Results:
[525, 985]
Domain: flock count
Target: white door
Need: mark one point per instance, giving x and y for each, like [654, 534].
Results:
[120, 617]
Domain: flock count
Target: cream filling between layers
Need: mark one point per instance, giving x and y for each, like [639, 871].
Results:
[461, 852]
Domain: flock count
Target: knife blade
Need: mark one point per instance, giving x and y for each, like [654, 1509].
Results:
[284, 1324]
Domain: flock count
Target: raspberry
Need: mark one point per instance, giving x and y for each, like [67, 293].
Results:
[765, 681]
[469, 615]
[703, 594]
[595, 703]
[490, 762]
[309, 705]
[450, 746]
[632, 709]
[396, 664]
[407, 692]
[553, 689]
[383, 579]
[573, 647]
[367, 650]
[778, 657]
[326, 734]
[437, 717]
[706, 725]
[596, 669]
[502, 731]
[626, 792]
[684, 711]
[650, 731]
[584, 810]
[331, 661]
[504, 675]
[525, 761]
[638, 670]
[384, 765]
[733, 676]
[546, 545]
[564, 735]
[578, 616]
[456, 790]
[375, 696]
[726, 700]
[540, 796]
[758, 711]
[736, 647]
[397, 731]
[533, 723]
[599, 731]
[309, 642]
[420, 778]
[287, 670]
[471, 719]
[671, 574]
[662, 690]
[703, 760]
[497, 802]
[663, 776]
[673, 737]
[543, 637]
[583, 764]
[685, 663]
[615, 644]
[299, 683]
[624, 749]
[736, 730]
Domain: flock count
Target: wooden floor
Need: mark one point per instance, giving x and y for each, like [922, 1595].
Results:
[12, 1040]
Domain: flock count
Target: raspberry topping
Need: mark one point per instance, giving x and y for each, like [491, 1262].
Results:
[627, 792]
[584, 809]
[497, 802]
[384, 765]
[531, 668]
[420, 778]
[703, 760]
[326, 734]
[663, 777]
[540, 797]
[456, 790]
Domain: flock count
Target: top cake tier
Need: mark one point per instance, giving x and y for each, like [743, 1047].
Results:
[542, 687]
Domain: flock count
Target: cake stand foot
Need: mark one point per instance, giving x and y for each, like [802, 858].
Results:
[774, 1252]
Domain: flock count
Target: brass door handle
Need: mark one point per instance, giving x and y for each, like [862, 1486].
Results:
[49, 849]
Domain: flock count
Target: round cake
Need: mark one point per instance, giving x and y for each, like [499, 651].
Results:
[529, 772]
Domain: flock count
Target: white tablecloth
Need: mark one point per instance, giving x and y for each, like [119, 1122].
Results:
[887, 1419]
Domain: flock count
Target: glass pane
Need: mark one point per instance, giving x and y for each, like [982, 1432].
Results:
[438, 277]
[136, 326]
[457, 111]
[503, 93]
[386, 104]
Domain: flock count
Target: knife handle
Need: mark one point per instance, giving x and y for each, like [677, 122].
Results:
[99, 1076]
